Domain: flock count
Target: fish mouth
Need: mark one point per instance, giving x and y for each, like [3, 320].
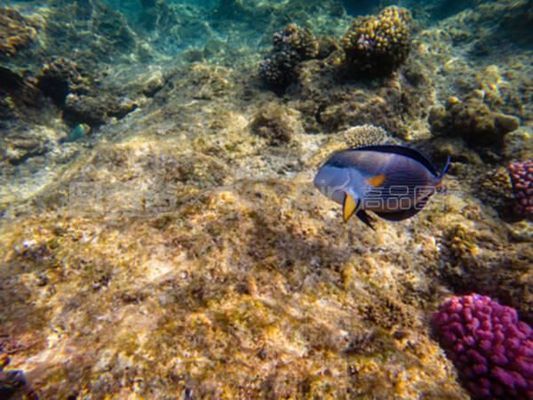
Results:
[331, 181]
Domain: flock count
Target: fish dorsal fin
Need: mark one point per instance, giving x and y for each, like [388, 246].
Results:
[401, 150]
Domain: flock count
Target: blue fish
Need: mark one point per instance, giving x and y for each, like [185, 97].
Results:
[394, 182]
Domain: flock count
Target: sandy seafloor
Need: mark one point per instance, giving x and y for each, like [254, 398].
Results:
[160, 236]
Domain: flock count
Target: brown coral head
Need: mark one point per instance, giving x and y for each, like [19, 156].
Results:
[379, 44]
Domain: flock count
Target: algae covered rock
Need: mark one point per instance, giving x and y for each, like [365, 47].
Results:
[16, 32]
[276, 123]
[60, 77]
[496, 190]
[378, 45]
[472, 120]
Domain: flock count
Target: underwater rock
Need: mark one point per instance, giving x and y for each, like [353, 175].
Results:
[276, 123]
[16, 32]
[518, 145]
[18, 147]
[90, 33]
[490, 347]
[18, 96]
[13, 383]
[80, 95]
[96, 110]
[378, 45]
[232, 8]
[473, 120]
[149, 14]
[60, 77]
[522, 178]
[290, 46]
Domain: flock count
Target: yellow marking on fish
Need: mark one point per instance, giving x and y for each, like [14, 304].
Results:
[348, 207]
[376, 180]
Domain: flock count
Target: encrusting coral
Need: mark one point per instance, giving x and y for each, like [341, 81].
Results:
[378, 45]
[491, 348]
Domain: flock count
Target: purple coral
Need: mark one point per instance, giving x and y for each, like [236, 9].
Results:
[491, 349]
[522, 179]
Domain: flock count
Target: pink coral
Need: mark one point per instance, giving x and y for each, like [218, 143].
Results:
[491, 349]
[522, 178]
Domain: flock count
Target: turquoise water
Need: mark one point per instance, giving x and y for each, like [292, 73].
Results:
[160, 234]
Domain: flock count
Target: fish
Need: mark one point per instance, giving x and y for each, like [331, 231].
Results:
[395, 182]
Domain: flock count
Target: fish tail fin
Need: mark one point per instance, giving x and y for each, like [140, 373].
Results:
[446, 168]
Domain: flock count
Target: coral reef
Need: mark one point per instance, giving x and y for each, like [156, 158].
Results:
[290, 46]
[181, 251]
[472, 120]
[16, 32]
[378, 45]
[522, 178]
[490, 347]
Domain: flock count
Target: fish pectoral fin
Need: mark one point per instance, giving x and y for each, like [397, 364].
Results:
[367, 219]
[349, 206]
[376, 181]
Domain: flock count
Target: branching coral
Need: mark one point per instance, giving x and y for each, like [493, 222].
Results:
[291, 46]
[491, 348]
[379, 44]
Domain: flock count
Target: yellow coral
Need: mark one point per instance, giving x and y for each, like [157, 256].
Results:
[379, 43]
